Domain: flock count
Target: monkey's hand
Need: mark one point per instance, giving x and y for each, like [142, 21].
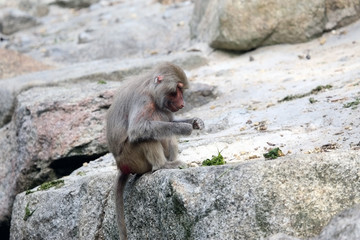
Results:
[197, 123]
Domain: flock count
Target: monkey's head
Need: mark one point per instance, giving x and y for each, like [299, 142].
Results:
[169, 83]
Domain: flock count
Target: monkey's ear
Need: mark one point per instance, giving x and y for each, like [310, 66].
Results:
[158, 79]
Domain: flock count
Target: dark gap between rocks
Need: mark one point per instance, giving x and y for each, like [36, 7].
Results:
[65, 166]
[5, 229]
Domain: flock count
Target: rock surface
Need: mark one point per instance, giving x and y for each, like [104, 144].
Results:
[55, 129]
[296, 195]
[345, 225]
[75, 3]
[243, 25]
[13, 20]
[105, 70]
[239, 96]
[49, 127]
[13, 63]
[86, 193]
[37, 8]
[117, 29]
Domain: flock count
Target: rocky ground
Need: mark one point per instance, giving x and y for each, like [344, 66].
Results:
[108, 29]
[303, 98]
[248, 118]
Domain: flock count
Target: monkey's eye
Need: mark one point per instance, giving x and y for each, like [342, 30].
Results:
[173, 94]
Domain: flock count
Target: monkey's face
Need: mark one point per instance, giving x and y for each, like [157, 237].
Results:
[174, 101]
[168, 91]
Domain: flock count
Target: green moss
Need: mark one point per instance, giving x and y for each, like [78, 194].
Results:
[101, 82]
[29, 192]
[313, 91]
[47, 185]
[28, 212]
[320, 88]
[312, 100]
[81, 173]
[215, 160]
[353, 104]
[292, 97]
[274, 153]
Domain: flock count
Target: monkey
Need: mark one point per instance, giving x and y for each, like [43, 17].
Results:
[141, 130]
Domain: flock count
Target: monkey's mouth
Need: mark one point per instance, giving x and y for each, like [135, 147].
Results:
[173, 108]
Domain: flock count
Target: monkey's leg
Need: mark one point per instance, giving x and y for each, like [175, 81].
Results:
[155, 155]
[133, 159]
[170, 146]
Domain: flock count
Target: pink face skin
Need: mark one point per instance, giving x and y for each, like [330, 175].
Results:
[176, 100]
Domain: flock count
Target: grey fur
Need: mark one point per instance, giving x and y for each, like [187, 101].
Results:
[141, 128]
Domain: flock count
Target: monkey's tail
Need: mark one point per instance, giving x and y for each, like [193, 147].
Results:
[119, 199]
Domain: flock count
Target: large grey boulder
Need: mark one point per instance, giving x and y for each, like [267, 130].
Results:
[345, 225]
[295, 195]
[54, 129]
[107, 70]
[80, 208]
[139, 28]
[13, 20]
[6, 105]
[245, 25]
[37, 8]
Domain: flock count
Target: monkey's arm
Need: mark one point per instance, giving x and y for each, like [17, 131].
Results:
[157, 130]
[196, 123]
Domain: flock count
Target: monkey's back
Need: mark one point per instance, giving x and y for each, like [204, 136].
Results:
[117, 121]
